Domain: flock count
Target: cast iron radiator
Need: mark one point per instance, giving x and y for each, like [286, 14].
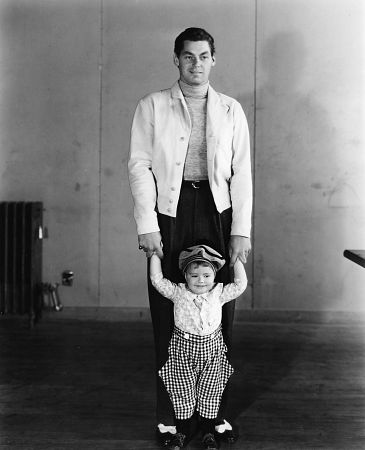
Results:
[21, 236]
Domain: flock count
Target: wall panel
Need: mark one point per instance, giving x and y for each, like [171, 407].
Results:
[137, 55]
[49, 121]
[310, 157]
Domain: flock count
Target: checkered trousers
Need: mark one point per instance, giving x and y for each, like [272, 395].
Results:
[196, 373]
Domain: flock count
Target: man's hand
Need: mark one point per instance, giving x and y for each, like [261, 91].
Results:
[151, 244]
[239, 248]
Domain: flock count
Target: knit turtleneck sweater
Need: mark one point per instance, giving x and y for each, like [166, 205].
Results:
[196, 159]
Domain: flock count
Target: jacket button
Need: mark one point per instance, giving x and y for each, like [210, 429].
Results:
[171, 201]
[182, 138]
[178, 163]
[172, 188]
[168, 209]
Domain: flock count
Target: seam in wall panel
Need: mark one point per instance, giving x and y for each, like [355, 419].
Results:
[100, 68]
[254, 159]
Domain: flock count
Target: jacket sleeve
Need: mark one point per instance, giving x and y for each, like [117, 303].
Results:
[141, 178]
[241, 179]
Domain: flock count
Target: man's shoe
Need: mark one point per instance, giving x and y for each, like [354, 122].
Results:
[177, 441]
[209, 442]
[164, 439]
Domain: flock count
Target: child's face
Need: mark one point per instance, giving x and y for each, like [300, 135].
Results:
[199, 278]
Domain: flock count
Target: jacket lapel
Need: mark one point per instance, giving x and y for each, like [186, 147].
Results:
[178, 101]
[216, 113]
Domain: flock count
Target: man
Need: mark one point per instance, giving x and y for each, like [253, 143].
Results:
[190, 177]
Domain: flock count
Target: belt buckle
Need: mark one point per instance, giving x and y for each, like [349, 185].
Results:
[195, 186]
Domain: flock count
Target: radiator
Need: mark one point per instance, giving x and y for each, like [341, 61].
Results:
[21, 258]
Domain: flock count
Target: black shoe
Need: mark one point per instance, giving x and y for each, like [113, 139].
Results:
[177, 441]
[209, 442]
[228, 436]
[164, 439]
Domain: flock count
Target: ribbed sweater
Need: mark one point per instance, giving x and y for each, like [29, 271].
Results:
[196, 159]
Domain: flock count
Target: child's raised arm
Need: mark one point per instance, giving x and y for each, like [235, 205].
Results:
[155, 265]
[239, 272]
[232, 291]
[164, 286]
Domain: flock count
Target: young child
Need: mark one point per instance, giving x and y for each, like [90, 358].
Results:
[197, 369]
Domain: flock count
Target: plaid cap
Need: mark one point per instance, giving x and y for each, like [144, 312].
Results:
[201, 253]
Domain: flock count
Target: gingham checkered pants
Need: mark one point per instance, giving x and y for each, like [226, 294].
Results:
[196, 373]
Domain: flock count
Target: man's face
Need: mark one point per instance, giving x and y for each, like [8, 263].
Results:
[195, 62]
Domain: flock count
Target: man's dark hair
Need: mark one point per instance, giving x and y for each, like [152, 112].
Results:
[193, 34]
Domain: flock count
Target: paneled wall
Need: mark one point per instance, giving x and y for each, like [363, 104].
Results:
[71, 74]
[138, 59]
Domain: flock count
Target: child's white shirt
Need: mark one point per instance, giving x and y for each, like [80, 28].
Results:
[199, 314]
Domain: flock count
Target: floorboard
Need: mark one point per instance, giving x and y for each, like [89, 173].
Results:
[70, 384]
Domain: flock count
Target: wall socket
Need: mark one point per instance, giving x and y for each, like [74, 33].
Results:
[67, 277]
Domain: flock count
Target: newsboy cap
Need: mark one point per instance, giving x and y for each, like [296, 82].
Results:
[201, 253]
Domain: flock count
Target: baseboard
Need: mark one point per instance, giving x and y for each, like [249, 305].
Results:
[281, 316]
[143, 315]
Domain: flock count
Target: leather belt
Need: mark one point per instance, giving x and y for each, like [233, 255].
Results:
[196, 184]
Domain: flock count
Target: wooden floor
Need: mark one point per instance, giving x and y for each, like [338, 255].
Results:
[71, 384]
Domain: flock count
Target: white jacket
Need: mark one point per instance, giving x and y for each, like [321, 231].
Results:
[159, 142]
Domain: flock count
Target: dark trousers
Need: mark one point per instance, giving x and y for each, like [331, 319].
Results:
[197, 221]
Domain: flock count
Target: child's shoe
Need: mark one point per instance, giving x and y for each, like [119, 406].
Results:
[177, 442]
[164, 434]
[225, 433]
[209, 442]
